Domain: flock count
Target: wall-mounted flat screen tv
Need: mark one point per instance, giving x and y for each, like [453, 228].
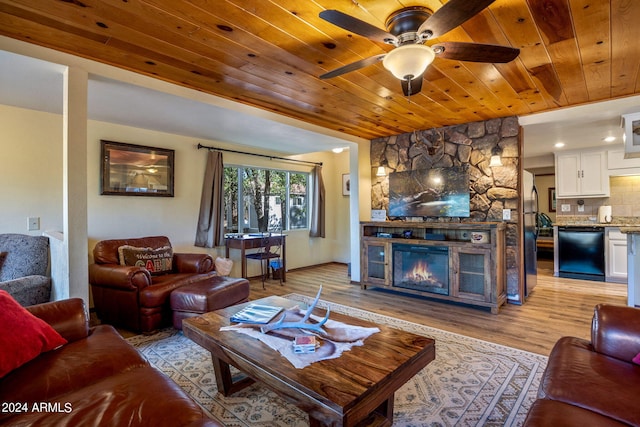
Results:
[430, 192]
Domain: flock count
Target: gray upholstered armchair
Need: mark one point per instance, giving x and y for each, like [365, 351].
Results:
[24, 265]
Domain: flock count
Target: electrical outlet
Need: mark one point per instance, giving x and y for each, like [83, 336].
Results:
[506, 214]
[33, 223]
[565, 207]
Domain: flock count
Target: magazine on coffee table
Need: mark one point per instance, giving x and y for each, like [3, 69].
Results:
[256, 313]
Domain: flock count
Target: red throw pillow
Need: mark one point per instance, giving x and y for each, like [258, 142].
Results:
[23, 336]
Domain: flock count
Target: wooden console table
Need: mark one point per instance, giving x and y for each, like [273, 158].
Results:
[476, 271]
[254, 242]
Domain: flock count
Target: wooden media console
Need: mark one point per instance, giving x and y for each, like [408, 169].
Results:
[461, 262]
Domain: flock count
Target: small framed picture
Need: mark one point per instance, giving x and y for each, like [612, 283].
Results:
[346, 184]
[135, 170]
[552, 199]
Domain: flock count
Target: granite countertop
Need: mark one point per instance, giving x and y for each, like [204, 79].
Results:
[628, 223]
[630, 230]
[589, 224]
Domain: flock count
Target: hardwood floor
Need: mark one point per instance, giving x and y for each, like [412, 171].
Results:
[556, 307]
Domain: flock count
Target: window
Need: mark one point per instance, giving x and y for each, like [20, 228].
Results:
[267, 199]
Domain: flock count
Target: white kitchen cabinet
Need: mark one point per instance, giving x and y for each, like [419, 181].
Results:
[582, 174]
[616, 255]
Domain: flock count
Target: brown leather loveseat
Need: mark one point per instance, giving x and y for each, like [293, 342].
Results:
[133, 296]
[96, 379]
[593, 383]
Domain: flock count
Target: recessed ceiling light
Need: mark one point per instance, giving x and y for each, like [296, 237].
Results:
[337, 150]
[609, 139]
[559, 144]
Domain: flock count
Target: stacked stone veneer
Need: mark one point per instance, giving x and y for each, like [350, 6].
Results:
[491, 189]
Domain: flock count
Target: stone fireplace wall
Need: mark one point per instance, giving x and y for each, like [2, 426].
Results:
[491, 189]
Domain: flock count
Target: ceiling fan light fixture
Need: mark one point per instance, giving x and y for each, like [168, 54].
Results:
[408, 61]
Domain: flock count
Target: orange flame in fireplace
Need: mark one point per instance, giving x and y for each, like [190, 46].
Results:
[420, 272]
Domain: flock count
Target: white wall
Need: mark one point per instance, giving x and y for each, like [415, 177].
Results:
[176, 217]
[113, 217]
[543, 183]
[340, 213]
[366, 177]
[31, 172]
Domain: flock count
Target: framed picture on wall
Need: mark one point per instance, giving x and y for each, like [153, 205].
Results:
[552, 199]
[135, 170]
[346, 184]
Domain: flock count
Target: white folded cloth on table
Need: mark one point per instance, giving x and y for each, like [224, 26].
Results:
[339, 337]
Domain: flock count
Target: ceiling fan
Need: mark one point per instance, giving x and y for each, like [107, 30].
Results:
[408, 29]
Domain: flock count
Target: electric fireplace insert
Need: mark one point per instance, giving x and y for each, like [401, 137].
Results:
[422, 268]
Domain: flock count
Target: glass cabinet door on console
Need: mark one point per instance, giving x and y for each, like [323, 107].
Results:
[376, 265]
[472, 273]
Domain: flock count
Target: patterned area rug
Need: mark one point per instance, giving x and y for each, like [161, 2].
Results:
[470, 383]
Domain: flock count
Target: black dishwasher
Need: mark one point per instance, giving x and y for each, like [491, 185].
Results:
[581, 253]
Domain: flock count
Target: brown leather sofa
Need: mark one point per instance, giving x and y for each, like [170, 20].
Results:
[129, 296]
[593, 383]
[96, 379]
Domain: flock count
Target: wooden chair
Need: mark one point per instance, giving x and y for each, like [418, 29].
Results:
[271, 249]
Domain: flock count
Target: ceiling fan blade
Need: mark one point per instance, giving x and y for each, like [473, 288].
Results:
[452, 14]
[476, 52]
[357, 26]
[416, 85]
[353, 66]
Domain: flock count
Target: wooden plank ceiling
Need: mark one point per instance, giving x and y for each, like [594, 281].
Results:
[269, 54]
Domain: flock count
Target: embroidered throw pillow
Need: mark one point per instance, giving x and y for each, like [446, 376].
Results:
[23, 336]
[156, 261]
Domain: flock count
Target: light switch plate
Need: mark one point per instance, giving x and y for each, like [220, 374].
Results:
[33, 223]
[506, 214]
[565, 207]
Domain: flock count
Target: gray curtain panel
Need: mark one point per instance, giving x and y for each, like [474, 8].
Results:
[318, 204]
[210, 231]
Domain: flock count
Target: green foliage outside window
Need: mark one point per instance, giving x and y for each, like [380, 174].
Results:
[269, 200]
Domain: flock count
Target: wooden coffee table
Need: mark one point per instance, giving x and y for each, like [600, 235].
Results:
[358, 387]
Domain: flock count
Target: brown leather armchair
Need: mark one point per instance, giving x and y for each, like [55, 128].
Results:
[130, 296]
[593, 383]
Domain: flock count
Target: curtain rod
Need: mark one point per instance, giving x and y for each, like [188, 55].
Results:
[259, 155]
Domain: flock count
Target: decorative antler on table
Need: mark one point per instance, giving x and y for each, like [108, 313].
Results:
[300, 324]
